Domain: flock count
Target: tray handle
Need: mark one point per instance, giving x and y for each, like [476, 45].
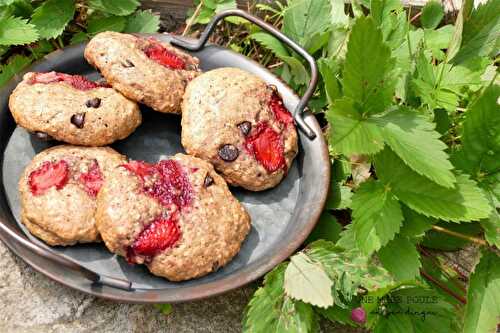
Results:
[68, 263]
[298, 113]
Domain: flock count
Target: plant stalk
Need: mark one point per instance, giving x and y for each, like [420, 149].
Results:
[472, 239]
[192, 18]
[442, 286]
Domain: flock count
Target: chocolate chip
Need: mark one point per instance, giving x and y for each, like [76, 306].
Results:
[245, 127]
[127, 63]
[215, 265]
[228, 153]
[93, 103]
[42, 136]
[208, 181]
[78, 119]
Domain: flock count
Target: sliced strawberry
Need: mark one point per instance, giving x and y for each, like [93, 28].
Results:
[267, 147]
[77, 81]
[92, 180]
[161, 234]
[280, 111]
[169, 185]
[47, 175]
[157, 52]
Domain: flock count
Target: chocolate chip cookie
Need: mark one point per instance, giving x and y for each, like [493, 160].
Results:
[72, 109]
[176, 216]
[236, 121]
[58, 192]
[143, 69]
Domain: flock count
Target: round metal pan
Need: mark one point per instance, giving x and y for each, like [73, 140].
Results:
[282, 217]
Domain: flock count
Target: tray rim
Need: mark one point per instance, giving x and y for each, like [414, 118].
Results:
[212, 288]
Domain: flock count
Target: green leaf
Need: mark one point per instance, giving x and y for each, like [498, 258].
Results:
[165, 309]
[142, 21]
[482, 312]
[305, 18]
[329, 70]
[348, 269]
[491, 225]
[415, 225]
[414, 139]
[327, 228]
[110, 23]
[376, 214]
[481, 136]
[464, 202]
[368, 82]
[432, 14]
[271, 43]
[401, 258]
[456, 40]
[481, 32]
[271, 311]
[350, 131]
[306, 281]
[16, 64]
[52, 17]
[16, 31]
[79, 37]
[115, 7]
[338, 15]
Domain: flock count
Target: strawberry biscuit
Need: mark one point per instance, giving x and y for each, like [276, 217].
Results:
[143, 69]
[176, 216]
[72, 109]
[59, 189]
[237, 122]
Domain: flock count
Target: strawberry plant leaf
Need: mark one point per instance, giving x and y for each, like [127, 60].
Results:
[401, 258]
[432, 14]
[464, 202]
[142, 21]
[481, 136]
[115, 7]
[110, 23]
[481, 32]
[368, 82]
[14, 66]
[350, 132]
[327, 228]
[17, 31]
[338, 15]
[415, 225]
[271, 311]
[348, 269]
[306, 281]
[52, 17]
[329, 69]
[491, 225]
[79, 37]
[305, 18]
[271, 43]
[414, 139]
[441, 241]
[482, 312]
[377, 216]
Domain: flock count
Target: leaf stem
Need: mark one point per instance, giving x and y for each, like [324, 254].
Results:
[192, 18]
[442, 286]
[472, 239]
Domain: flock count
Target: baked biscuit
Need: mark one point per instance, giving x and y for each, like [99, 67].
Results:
[58, 192]
[236, 121]
[143, 69]
[177, 216]
[73, 109]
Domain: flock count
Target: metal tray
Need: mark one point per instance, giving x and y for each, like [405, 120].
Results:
[282, 217]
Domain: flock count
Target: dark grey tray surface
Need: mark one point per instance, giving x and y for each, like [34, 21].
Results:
[281, 217]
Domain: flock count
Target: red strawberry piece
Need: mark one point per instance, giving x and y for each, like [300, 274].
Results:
[47, 175]
[140, 168]
[92, 179]
[280, 111]
[267, 146]
[157, 52]
[168, 183]
[159, 235]
[77, 81]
